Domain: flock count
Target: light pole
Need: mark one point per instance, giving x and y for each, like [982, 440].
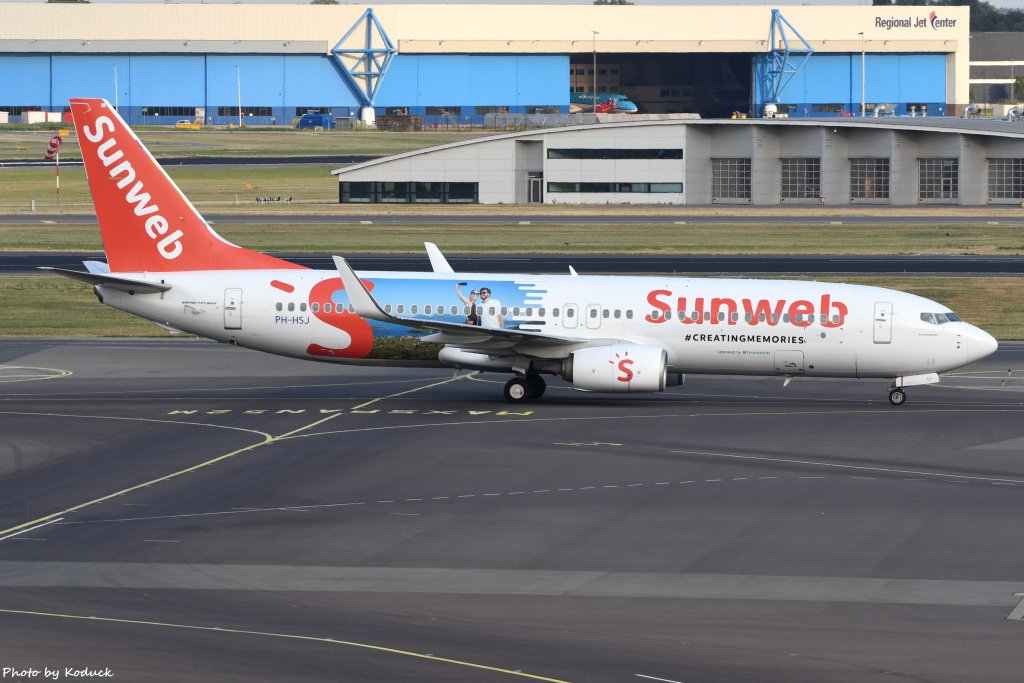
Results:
[593, 95]
[238, 82]
[115, 87]
[863, 73]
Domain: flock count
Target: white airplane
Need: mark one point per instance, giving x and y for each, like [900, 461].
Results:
[600, 333]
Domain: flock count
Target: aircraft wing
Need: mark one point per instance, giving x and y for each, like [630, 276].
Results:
[459, 334]
[122, 283]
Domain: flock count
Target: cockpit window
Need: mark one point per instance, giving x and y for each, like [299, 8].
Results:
[940, 318]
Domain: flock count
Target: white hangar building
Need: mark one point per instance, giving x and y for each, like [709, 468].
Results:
[884, 161]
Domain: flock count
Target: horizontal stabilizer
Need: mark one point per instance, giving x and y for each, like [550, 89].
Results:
[122, 283]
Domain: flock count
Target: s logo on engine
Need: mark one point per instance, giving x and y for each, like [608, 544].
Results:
[623, 365]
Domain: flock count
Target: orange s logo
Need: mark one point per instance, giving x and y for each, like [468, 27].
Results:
[625, 372]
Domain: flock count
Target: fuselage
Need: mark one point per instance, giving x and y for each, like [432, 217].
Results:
[718, 326]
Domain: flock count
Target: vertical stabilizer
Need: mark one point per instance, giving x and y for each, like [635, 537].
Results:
[146, 222]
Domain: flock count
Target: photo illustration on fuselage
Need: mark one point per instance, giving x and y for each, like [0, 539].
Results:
[616, 334]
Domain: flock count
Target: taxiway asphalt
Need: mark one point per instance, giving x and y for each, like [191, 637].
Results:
[185, 510]
[22, 263]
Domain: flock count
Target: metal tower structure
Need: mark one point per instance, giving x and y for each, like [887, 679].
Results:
[365, 66]
[784, 60]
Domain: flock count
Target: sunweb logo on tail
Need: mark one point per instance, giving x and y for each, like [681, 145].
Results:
[168, 245]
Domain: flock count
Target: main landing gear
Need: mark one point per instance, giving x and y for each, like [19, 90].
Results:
[522, 389]
[897, 396]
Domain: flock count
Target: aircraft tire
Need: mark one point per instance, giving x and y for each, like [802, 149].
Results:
[517, 390]
[897, 397]
[537, 386]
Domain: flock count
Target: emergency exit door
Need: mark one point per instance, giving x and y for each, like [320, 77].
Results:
[232, 309]
[883, 322]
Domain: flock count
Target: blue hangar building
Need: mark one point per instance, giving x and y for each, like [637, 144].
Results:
[269, 64]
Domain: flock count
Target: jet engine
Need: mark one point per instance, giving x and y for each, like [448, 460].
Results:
[620, 368]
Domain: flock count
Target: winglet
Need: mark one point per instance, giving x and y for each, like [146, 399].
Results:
[363, 302]
[438, 262]
[572, 271]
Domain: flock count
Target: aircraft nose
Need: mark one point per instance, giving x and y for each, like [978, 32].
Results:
[980, 344]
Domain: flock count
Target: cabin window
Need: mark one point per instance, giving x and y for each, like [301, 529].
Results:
[351, 308]
[554, 312]
[504, 310]
[593, 313]
[785, 318]
[302, 306]
[775, 317]
[606, 314]
[515, 311]
[735, 317]
[655, 315]
[629, 314]
[401, 309]
[835, 319]
[387, 308]
[479, 310]
[761, 317]
[414, 309]
[721, 317]
[315, 306]
[529, 312]
[570, 313]
[428, 309]
[278, 306]
[291, 306]
[455, 310]
[823, 318]
[327, 307]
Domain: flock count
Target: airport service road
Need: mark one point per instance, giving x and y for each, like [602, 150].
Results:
[682, 218]
[215, 513]
[21, 263]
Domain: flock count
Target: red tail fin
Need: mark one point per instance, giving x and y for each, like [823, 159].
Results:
[146, 222]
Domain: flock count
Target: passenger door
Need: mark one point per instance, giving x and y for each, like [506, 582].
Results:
[232, 309]
[883, 322]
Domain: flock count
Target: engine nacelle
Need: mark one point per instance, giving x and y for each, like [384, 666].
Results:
[619, 368]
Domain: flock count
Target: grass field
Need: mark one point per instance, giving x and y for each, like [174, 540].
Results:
[164, 141]
[208, 187]
[45, 305]
[566, 238]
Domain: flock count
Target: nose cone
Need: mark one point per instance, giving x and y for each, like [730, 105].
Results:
[980, 344]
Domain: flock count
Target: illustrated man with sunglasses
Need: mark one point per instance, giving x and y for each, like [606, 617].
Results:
[491, 314]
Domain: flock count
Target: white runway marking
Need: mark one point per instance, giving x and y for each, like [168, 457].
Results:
[31, 528]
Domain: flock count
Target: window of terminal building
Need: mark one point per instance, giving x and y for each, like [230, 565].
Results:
[938, 179]
[357, 193]
[301, 111]
[18, 111]
[827, 108]
[605, 188]
[180, 112]
[1006, 179]
[869, 179]
[491, 109]
[801, 178]
[462, 193]
[444, 111]
[392, 193]
[428, 193]
[543, 109]
[609, 154]
[246, 111]
[730, 179]
[379, 192]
